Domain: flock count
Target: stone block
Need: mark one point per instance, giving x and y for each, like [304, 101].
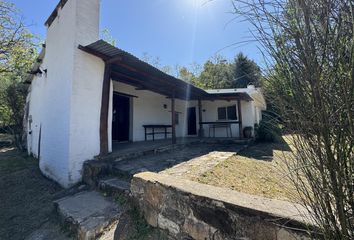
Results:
[167, 224]
[88, 214]
[190, 210]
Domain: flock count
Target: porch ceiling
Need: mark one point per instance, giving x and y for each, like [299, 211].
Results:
[129, 69]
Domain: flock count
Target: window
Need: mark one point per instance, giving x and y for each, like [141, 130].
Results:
[227, 113]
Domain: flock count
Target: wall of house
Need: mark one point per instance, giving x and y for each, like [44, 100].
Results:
[148, 108]
[35, 103]
[86, 91]
[64, 102]
[210, 114]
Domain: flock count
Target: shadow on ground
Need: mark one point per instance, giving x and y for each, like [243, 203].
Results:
[162, 161]
[265, 151]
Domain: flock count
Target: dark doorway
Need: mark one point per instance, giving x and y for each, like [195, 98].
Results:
[192, 121]
[120, 118]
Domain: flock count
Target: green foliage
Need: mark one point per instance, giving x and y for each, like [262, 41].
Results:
[106, 36]
[245, 72]
[216, 74]
[121, 199]
[220, 73]
[143, 230]
[268, 130]
[17, 53]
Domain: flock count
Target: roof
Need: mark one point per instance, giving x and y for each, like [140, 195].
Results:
[129, 69]
[35, 67]
[55, 13]
[226, 91]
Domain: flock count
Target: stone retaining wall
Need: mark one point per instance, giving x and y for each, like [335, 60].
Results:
[190, 210]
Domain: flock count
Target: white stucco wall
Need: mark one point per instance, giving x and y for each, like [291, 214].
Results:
[210, 114]
[34, 100]
[86, 91]
[148, 108]
[65, 102]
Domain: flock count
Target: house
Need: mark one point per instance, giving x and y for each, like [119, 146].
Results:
[86, 94]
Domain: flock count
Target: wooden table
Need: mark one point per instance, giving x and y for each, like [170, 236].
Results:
[220, 124]
[154, 127]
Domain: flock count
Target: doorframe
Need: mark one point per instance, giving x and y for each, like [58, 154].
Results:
[131, 101]
[196, 121]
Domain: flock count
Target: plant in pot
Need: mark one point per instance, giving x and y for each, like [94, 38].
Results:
[247, 132]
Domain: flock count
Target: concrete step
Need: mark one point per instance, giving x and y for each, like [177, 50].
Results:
[114, 186]
[89, 215]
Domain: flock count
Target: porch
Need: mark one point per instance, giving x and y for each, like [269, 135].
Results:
[130, 158]
[129, 150]
[145, 96]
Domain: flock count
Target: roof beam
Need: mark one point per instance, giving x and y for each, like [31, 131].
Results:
[114, 59]
[93, 52]
[134, 82]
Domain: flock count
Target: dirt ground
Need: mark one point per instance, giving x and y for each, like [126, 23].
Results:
[257, 170]
[26, 204]
[25, 196]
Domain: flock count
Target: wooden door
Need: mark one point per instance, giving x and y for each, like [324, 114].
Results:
[120, 118]
[192, 121]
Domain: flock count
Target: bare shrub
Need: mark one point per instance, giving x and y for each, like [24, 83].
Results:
[309, 46]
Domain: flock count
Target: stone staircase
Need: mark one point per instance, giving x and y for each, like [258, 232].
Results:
[88, 214]
[95, 212]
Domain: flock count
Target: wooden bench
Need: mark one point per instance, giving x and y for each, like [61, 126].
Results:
[226, 126]
[161, 127]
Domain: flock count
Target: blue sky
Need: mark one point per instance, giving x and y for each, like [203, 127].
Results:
[177, 31]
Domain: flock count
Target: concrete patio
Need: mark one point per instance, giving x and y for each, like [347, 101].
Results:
[125, 150]
[128, 159]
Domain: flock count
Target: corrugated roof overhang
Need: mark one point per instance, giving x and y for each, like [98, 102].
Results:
[129, 69]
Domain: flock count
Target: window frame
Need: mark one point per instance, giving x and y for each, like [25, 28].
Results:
[227, 118]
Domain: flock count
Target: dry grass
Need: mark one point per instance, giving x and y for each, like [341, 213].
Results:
[258, 170]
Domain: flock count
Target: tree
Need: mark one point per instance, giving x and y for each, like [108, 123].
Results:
[13, 36]
[245, 72]
[311, 48]
[107, 36]
[17, 53]
[216, 74]
[156, 62]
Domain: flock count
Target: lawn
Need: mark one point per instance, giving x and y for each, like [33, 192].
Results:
[26, 197]
[257, 170]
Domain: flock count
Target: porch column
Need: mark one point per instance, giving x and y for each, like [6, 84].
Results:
[173, 112]
[239, 118]
[104, 110]
[201, 130]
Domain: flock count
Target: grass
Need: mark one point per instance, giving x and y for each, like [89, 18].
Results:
[25, 195]
[13, 161]
[258, 170]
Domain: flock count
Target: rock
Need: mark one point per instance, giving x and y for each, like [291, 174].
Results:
[188, 209]
[114, 186]
[88, 214]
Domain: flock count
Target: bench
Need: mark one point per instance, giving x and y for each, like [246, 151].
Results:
[163, 130]
[226, 126]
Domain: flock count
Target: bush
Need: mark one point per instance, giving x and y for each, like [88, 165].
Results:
[268, 130]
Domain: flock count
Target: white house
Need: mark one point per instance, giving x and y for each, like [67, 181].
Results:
[86, 94]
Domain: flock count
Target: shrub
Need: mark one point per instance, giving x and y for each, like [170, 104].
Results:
[268, 130]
